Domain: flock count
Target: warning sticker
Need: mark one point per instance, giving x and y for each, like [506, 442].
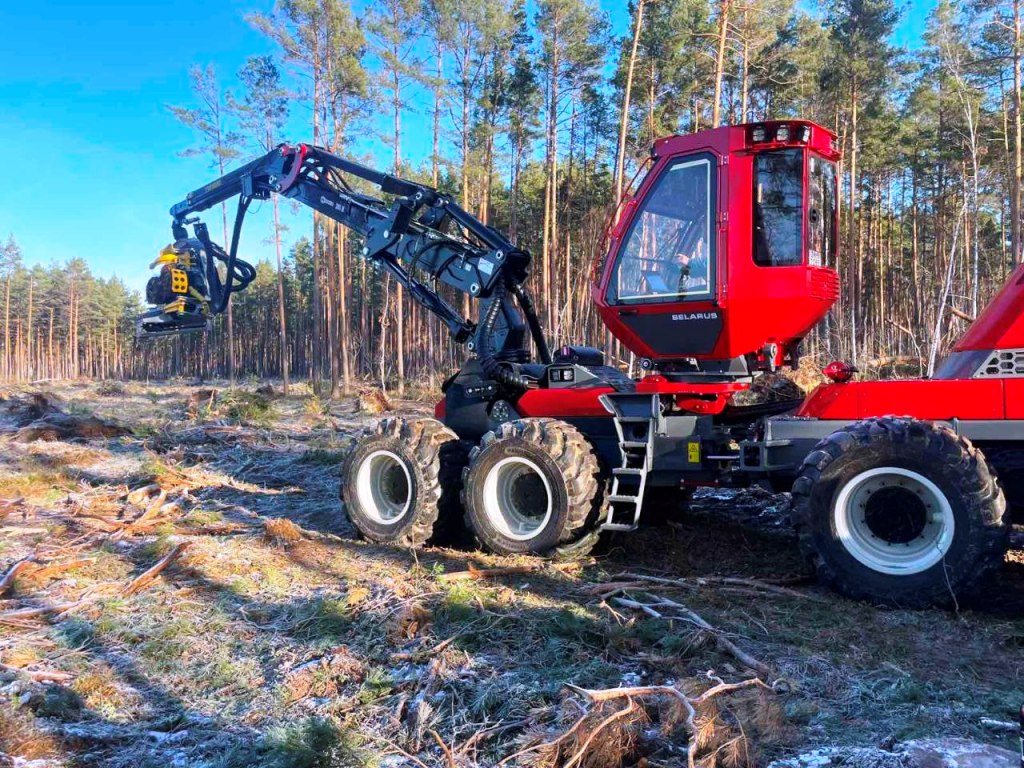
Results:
[693, 453]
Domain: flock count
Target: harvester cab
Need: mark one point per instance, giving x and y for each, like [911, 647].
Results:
[724, 259]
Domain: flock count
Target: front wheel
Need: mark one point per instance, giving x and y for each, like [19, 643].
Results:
[400, 484]
[533, 486]
[900, 512]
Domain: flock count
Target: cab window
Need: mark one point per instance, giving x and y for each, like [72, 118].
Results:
[778, 208]
[667, 252]
[822, 212]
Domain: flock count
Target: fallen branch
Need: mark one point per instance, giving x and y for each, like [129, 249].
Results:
[629, 580]
[512, 570]
[142, 581]
[39, 675]
[690, 705]
[12, 573]
[486, 733]
[425, 653]
[17, 617]
[449, 758]
[49, 571]
[724, 644]
[1001, 726]
[617, 715]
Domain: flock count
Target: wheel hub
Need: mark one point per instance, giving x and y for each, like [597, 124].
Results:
[517, 498]
[894, 521]
[384, 487]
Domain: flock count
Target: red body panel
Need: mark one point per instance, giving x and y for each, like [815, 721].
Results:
[1014, 398]
[1001, 324]
[758, 305]
[563, 403]
[932, 400]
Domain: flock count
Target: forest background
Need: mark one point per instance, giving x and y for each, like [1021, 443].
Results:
[537, 117]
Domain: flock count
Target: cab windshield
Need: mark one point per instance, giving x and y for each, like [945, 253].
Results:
[666, 254]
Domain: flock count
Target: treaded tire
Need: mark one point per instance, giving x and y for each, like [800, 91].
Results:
[1008, 464]
[433, 456]
[934, 452]
[570, 467]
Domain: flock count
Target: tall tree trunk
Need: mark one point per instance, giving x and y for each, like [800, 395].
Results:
[396, 84]
[280, 296]
[1015, 193]
[7, 329]
[620, 155]
[723, 32]
[854, 263]
[435, 150]
[745, 74]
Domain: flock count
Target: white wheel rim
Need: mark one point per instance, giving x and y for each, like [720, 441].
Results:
[384, 487]
[894, 521]
[516, 505]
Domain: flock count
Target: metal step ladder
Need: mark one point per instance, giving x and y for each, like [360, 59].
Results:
[635, 417]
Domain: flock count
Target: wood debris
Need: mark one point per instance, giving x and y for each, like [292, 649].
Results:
[490, 573]
[12, 573]
[145, 579]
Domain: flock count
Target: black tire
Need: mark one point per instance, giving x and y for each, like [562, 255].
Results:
[958, 512]
[548, 467]
[1008, 464]
[415, 464]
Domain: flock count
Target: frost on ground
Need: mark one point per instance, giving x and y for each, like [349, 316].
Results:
[187, 594]
[921, 753]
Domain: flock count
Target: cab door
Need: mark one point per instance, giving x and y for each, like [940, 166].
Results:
[661, 285]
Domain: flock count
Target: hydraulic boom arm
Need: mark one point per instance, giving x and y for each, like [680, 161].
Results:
[422, 238]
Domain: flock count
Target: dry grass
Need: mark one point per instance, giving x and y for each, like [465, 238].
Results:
[277, 640]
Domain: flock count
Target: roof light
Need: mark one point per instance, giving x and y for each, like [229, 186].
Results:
[782, 133]
[805, 134]
[758, 134]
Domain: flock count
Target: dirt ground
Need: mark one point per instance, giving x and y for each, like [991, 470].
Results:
[159, 612]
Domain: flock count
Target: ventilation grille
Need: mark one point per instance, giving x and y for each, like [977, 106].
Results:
[824, 284]
[1002, 364]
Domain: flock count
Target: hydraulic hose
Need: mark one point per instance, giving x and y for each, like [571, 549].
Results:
[238, 274]
[497, 369]
[526, 303]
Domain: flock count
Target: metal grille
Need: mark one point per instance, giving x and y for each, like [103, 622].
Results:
[1001, 364]
[824, 284]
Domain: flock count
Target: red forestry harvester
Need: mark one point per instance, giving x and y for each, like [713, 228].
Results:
[715, 271]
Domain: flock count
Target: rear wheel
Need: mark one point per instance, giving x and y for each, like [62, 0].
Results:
[401, 482]
[533, 486]
[900, 512]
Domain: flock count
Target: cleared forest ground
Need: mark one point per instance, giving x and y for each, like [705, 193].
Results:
[165, 615]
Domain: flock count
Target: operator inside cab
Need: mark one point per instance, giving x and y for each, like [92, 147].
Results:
[667, 251]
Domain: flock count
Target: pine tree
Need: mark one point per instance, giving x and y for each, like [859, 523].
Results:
[220, 144]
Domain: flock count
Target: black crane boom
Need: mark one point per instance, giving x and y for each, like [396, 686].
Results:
[422, 237]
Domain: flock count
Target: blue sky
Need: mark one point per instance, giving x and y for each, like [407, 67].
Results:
[91, 161]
